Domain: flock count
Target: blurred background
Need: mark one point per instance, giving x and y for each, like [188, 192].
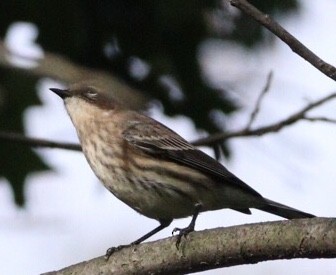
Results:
[196, 66]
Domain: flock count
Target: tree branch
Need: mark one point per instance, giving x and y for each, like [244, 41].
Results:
[207, 141]
[318, 119]
[38, 142]
[272, 128]
[220, 247]
[256, 110]
[285, 36]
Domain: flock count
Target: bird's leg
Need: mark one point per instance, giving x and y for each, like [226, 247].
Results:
[163, 224]
[190, 228]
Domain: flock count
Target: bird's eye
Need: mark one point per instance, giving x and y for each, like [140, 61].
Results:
[91, 94]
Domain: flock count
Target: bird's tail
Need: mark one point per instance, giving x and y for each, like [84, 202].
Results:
[284, 210]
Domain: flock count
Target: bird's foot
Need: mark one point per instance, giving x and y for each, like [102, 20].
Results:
[182, 232]
[114, 249]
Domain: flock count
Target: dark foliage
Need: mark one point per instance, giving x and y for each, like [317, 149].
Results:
[109, 34]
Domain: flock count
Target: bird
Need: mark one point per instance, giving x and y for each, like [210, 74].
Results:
[153, 169]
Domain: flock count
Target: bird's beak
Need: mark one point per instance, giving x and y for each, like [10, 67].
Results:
[62, 93]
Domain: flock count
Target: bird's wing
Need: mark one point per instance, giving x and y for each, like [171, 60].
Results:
[156, 139]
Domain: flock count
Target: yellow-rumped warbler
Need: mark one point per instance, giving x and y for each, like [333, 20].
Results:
[151, 168]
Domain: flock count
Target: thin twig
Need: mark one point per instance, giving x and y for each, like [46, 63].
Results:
[259, 100]
[275, 127]
[38, 142]
[320, 119]
[285, 36]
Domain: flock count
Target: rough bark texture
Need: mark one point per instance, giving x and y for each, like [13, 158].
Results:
[220, 247]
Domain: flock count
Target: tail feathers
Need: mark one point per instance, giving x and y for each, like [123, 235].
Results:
[284, 211]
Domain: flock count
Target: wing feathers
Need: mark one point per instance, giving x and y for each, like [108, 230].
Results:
[154, 138]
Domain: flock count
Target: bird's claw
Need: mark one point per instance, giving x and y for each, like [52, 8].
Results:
[114, 249]
[182, 232]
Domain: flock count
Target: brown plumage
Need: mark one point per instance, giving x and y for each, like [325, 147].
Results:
[153, 169]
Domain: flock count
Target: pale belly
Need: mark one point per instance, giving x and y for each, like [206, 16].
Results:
[161, 195]
[167, 199]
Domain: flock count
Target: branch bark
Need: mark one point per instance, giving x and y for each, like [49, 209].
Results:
[220, 247]
[285, 36]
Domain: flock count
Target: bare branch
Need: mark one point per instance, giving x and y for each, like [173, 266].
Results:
[259, 100]
[275, 127]
[38, 142]
[318, 119]
[285, 36]
[207, 141]
[220, 247]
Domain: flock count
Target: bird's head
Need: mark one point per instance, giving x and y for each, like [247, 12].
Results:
[86, 101]
[84, 93]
